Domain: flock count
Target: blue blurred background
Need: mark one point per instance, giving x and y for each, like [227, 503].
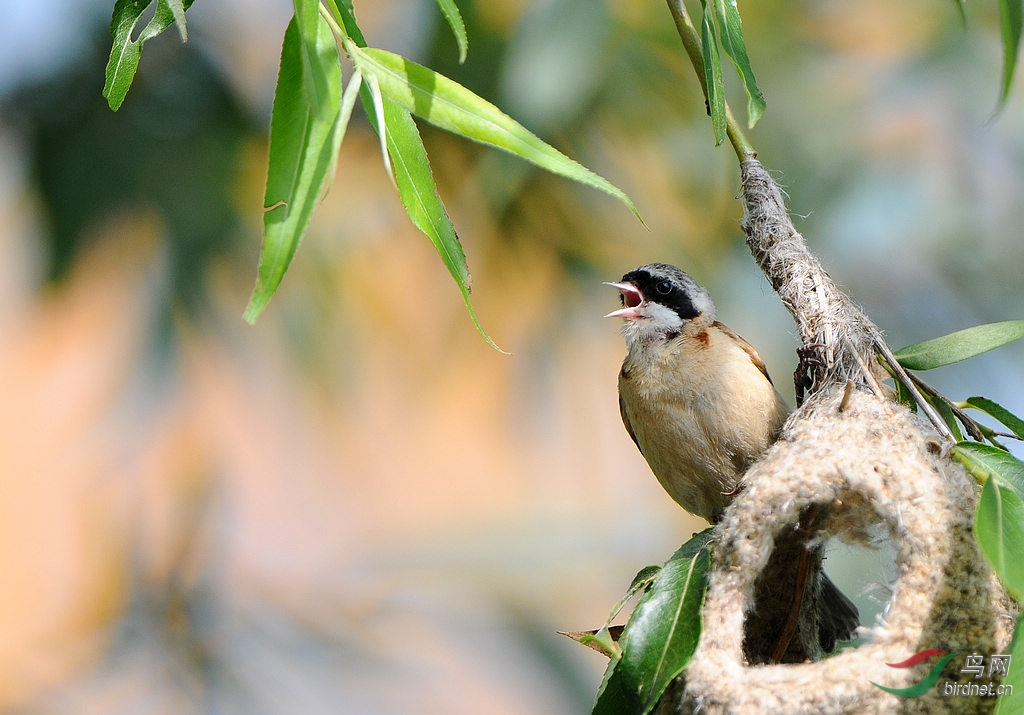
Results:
[356, 506]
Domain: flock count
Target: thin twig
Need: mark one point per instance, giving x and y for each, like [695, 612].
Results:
[691, 43]
[876, 387]
[968, 422]
[908, 382]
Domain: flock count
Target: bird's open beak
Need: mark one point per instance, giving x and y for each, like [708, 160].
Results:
[632, 300]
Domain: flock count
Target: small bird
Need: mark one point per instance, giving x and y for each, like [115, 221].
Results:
[697, 400]
[694, 396]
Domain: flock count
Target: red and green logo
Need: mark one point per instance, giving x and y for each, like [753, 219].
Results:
[927, 682]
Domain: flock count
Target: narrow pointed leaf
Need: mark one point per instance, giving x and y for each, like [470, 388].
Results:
[999, 528]
[316, 79]
[348, 20]
[451, 13]
[418, 192]
[643, 579]
[301, 146]
[713, 73]
[948, 416]
[126, 52]
[727, 13]
[1011, 421]
[984, 461]
[612, 698]
[379, 122]
[661, 635]
[348, 103]
[178, 13]
[1010, 25]
[960, 345]
[450, 106]
[905, 396]
[164, 16]
[411, 171]
[603, 640]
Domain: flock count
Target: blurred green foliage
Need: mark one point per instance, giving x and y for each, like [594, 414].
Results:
[174, 148]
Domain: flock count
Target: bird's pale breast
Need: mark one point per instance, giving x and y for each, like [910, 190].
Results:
[701, 412]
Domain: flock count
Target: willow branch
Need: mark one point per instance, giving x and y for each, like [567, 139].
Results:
[691, 43]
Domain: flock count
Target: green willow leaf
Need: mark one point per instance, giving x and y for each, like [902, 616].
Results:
[348, 20]
[999, 528]
[727, 13]
[418, 192]
[451, 13]
[1013, 704]
[612, 698]
[905, 396]
[960, 345]
[1010, 26]
[661, 635]
[984, 461]
[1011, 421]
[948, 416]
[450, 106]
[316, 79]
[410, 169]
[177, 8]
[125, 52]
[713, 73]
[301, 146]
[379, 120]
[643, 579]
[162, 19]
[602, 640]
[348, 103]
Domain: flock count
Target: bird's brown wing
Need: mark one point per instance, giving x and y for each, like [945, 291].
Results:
[625, 422]
[748, 349]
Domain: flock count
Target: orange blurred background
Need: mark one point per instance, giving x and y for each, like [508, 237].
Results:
[356, 505]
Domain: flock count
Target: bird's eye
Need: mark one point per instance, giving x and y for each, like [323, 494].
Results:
[663, 287]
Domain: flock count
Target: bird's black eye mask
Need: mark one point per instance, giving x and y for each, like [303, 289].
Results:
[660, 289]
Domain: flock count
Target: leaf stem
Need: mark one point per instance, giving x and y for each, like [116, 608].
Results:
[691, 43]
[904, 377]
[972, 427]
[333, 23]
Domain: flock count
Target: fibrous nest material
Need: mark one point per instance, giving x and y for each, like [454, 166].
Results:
[862, 460]
[868, 463]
